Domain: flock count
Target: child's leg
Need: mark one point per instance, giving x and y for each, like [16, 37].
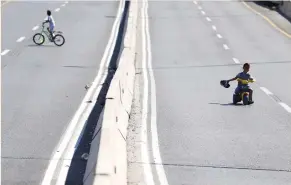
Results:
[251, 94]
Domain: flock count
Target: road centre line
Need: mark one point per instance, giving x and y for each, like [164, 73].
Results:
[225, 47]
[20, 39]
[83, 111]
[58, 9]
[63, 5]
[4, 52]
[266, 91]
[155, 139]
[195, 2]
[199, 7]
[285, 106]
[235, 60]
[214, 28]
[202, 12]
[35, 28]
[208, 19]
[219, 36]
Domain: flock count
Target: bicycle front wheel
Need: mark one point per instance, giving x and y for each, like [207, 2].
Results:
[59, 40]
[38, 39]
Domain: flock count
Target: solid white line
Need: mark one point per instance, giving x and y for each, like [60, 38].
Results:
[155, 139]
[63, 5]
[199, 7]
[203, 12]
[195, 2]
[58, 9]
[225, 47]
[208, 19]
[235, 60]
[214, 28]
[20, 39]
[82, 113]
[35, 28]
[4, 52]
[285, 106]
[219, 36]
[266, 91]
[144, 138]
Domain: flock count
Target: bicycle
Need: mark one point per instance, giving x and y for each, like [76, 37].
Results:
[58, 36]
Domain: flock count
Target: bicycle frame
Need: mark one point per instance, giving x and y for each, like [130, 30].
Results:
[46, 32]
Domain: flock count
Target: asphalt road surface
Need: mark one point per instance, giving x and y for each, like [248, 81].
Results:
[202, 137]
[42, 86]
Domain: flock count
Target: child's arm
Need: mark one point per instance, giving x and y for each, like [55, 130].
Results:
[232, 79]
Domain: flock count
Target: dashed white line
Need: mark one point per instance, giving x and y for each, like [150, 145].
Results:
[20, 39]
[235, 60]
[208, 19]
[285, 106]
[219, 36]
[195, 2]
[58, 9]
[214, 28]
[67, 2]
[63, 5]
[35, 28]
[199, 7]
[225, 47]
[5, 52]
[203, 12]
[266, 91]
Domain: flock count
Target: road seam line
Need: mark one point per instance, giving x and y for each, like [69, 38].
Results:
[4, 52]
[20, 39]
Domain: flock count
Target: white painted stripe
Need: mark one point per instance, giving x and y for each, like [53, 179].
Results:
[66, 2]
[20, 39]
[219, 36]
[195, 2]
[285, 106]
[225, 47]
[35, 28]
[5, 52]
[202, 12]
[63, 5]
[58, 9]
[214, 28]
[208, 19]
[82, 113]
[235, 60]
[155, 139]
[266, 91]
[199, 7]
[144, 132]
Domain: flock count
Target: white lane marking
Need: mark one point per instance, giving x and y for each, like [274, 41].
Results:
[208, 19]
[214, 28]
[199, 7]
[266, 91]
[235, 60]
[63, 5]
[144, 138]
[225, 47]
[58, 9]
[202, 12]
[219, 36]
[4, 52]
[285, 106]
[155, 139]
[195, 2]
[82, 113]
[20, 39]
[35, 28]
[66, 2]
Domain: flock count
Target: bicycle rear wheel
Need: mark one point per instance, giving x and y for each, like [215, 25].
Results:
[38, 39]
[59, 40]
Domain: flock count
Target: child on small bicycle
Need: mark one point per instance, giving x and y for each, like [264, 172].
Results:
[244, 76]
[49, 19]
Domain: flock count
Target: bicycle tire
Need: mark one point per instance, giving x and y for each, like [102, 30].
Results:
[56, 37]
[41, 35]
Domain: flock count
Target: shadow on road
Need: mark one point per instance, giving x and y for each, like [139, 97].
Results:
[78, 165]
[273, 7]
[227, 104]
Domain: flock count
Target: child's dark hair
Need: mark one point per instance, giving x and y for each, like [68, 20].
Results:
[246, 65]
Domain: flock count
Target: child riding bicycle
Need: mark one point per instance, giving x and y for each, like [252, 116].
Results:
[49, 19]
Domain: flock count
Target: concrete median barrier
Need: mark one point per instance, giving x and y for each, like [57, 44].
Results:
[107, 162]
[285, 9]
